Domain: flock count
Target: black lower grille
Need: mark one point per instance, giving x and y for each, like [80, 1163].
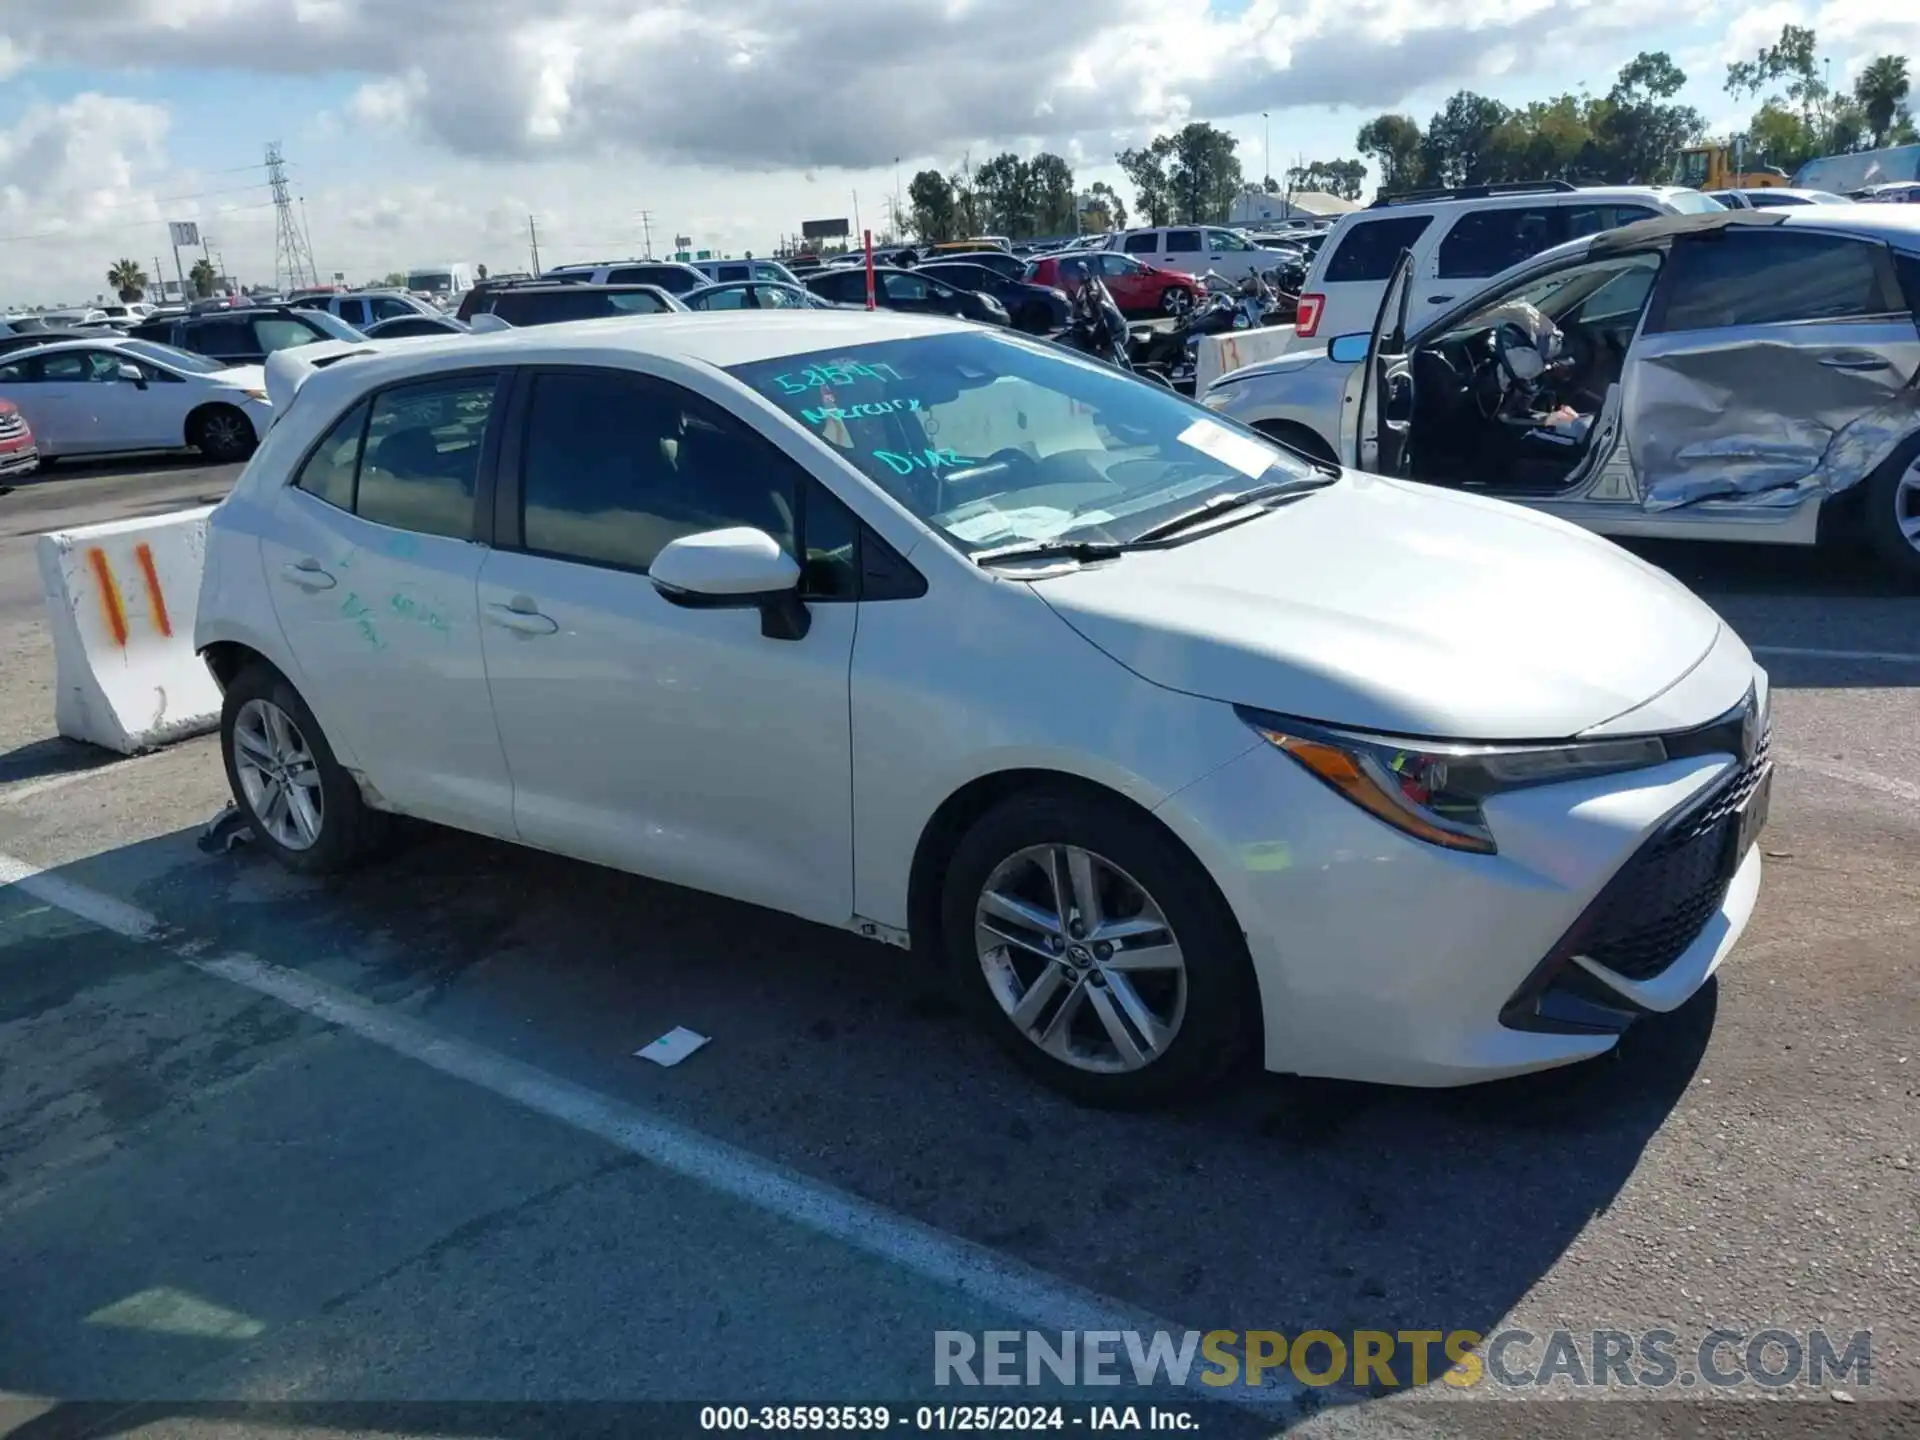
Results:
[1662, 898]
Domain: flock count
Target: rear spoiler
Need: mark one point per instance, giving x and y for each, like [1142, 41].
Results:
[287, 370]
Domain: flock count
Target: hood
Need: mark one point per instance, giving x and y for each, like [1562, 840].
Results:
[1294, 360]
[1395, 607]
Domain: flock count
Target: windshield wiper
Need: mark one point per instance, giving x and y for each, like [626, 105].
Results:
[1219, 507]
[1084, 551]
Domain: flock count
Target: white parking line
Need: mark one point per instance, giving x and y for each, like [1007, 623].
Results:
[1849, 775]
[1039, 1299]
[1801, 652]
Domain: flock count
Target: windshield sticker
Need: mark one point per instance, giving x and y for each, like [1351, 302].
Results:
[856, 412]
[1030, 522]
[821, 377]
[1242, 452]
[925, 460]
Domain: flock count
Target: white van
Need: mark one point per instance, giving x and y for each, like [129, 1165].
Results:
[1459, 238]
[446, 283]
[1196, 249]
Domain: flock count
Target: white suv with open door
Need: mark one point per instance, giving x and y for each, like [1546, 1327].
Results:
[1459, 238]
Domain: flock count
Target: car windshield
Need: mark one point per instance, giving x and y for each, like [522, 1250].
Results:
[1692, 202]
[332, 324]
[173, 359]
[997, 441]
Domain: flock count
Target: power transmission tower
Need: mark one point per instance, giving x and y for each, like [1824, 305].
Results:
[293, 265]
[646, 229]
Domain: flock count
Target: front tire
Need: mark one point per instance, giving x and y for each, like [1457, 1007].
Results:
[1175, 301]
[304, 808]
[221, 433]
[1096, 950]
[1892, 512]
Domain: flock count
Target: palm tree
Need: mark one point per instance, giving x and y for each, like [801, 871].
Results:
[1879, 90]
[203, 277]
[127, 279]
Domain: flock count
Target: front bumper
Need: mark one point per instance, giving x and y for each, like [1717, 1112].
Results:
[1382, 958]
[19, 462]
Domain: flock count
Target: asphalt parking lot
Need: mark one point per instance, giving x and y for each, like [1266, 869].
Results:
[384, 1139]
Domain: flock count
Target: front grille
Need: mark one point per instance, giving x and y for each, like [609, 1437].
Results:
[1663, 898]
[10, 426]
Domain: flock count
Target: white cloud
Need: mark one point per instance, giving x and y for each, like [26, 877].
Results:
[735, 120]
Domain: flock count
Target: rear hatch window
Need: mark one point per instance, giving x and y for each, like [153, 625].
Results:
[1368, 250]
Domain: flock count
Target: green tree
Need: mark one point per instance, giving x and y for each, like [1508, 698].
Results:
[931, 194]
[1459, 147]
[1333, 177]
[203, 278]
[1109, 198]
[1827, 122]
[127, 279]
[1881, 93]
[396, 280]
[1054, 199]
[1394, 143]
[1152, 186]
[1638, 129]
[1204, 173]
[969, 211]
[1004, 185]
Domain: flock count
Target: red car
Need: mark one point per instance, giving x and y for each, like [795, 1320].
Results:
[1138, 289]
[18, 454]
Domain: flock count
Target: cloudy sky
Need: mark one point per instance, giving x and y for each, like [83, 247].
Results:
[429, 130]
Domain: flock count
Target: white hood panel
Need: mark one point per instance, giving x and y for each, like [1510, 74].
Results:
[1401, 608]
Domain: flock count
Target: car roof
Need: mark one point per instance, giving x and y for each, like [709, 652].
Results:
[1891, 223]
[720, 339]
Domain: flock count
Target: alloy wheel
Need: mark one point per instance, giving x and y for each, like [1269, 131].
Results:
[1906, 504]
[223, 434]
[1081, 959]
[1176, 302]
[279, 774]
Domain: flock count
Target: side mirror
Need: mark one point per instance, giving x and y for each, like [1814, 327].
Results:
[1349, 349]
[133, 376]
[735, 569]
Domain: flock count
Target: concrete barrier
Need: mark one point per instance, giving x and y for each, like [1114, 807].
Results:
[1220, 354]
[121, 601]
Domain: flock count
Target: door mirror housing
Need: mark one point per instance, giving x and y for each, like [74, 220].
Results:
[133, 375]
[734, 569]
[1349, 349]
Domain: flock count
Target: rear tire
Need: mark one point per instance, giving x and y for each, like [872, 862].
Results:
[1154, 1001]
[1891, 512]
[221, 433]
[272, 745]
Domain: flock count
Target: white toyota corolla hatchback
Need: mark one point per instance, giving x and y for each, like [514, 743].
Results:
[1166, 743]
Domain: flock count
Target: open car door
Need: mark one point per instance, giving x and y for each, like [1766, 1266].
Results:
[1384, 414]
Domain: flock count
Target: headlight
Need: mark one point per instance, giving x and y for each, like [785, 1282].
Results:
[1215, 399]
[1433, 791]
[255, 394]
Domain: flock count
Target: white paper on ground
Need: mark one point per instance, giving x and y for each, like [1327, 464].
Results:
[672, 1047]
[1242, 452]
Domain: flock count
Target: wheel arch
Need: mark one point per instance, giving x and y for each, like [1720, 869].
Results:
[955, 815]
[1297, 435]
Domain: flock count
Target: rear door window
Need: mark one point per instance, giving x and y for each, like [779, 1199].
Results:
[1485, 242]
[1183, 242]
[1369, 248]
[421, 461]
[1774, 277]
[225, 338]
[1592, 219]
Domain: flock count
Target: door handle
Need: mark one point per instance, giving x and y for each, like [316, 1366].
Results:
[521, 620]
[1438, 299]
[308, 575]
[1855, 361]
